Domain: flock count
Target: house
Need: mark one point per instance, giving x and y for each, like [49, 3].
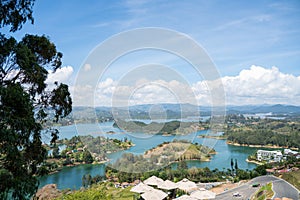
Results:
[289, 151]
[270, 171]
[124, 185]
[117, 184]
[270, 156]
[79, 149]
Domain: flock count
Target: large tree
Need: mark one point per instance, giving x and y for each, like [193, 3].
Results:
[26, 103]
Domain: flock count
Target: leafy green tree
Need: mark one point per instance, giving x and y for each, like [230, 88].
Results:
[26, 104]
[87, 157]
[261, 169]
[15, 13]
[236, 167]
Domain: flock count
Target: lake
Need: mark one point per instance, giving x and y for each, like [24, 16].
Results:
[70, 177]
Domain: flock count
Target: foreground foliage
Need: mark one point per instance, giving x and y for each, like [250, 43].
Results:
[25, 101]
[103, 191]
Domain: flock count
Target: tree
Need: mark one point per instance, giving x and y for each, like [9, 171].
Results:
[87, 157]
[261, 170]
[231, 164]
[26, 103]
[55, 152]
[236, 167]
[15, 13]
[86, 180]
[182, 165]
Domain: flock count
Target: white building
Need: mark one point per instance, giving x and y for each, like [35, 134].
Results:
[271, 156]
[289, 151]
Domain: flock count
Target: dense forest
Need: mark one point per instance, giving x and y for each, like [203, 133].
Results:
[256, 131]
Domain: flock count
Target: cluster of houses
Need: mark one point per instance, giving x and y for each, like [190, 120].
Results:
[75, 151]
[276, 155]
[159, 189]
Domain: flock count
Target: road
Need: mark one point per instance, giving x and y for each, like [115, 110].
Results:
[280, 187]
[284, 189]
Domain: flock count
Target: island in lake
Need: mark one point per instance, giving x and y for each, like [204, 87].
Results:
[163, 155]
[165, 128]
[81, 150]
[180, 150]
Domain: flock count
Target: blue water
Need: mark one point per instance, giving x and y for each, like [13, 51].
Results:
[71, 177]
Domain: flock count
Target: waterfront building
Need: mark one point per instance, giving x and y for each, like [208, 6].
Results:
[270, 156]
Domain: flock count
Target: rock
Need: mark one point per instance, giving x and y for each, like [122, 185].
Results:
[47, 192]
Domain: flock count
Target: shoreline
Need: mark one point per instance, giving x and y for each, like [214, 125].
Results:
[212, 137]
[255, 145]
[254, 161]
[76, 164]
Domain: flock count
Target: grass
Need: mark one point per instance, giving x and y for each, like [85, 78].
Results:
[293, 178]
[103, 191]
[122, 194]
[265, 192]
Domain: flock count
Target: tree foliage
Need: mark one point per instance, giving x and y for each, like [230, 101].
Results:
[251, 131]
[14, 13]
[26, 102]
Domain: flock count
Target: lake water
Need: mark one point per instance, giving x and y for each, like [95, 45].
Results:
[70, 177]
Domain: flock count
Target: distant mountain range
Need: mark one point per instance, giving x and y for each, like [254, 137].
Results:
[177, 111]
[274, 109]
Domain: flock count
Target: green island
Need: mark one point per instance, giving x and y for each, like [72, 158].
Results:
[178, 151]
[165, 128]
[81, 150]
[163, 155]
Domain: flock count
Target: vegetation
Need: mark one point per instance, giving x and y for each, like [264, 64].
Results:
[265, 132]
[26, 103]
[81, 149]
[100, 191]
[265, 192]
[133, 167]
[107, 190]
[162, 155]
[178, 151]
[173, 127]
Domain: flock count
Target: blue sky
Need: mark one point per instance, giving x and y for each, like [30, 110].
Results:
[235, 34]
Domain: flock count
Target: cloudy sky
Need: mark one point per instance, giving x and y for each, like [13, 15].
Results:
[254, 46]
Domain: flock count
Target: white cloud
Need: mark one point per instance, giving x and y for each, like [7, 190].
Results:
[108, 92]
[256, 85]
[61, 75]
[260, 85]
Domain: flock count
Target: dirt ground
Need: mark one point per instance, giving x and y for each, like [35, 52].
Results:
[226, 186]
